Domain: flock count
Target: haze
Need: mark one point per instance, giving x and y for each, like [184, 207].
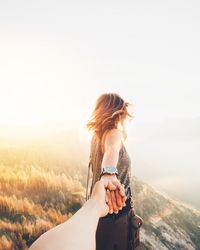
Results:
[56, 58]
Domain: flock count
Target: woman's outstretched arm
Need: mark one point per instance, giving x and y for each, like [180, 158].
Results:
[115, 193]
[79, 231]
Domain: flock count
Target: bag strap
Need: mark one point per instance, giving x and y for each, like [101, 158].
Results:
[88, 177]
[131, 194]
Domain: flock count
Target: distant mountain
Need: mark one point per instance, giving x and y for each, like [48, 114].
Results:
[168, 224]
[166, 154]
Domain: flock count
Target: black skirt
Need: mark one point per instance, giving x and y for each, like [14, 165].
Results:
[113, 230]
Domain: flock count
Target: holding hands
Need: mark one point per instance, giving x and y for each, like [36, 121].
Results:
[115, 193]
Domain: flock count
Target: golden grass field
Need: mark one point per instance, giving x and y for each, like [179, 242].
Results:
[37, 192]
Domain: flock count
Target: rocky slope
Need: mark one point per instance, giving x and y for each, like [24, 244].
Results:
[168, 223]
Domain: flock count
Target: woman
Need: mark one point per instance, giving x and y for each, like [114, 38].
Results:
[108, 122]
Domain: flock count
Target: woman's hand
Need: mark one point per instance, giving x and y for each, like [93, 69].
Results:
[115, 193]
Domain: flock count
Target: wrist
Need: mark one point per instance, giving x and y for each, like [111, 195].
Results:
[103, 176]
[108, 178]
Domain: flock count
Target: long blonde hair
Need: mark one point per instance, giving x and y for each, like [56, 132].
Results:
[109, 109]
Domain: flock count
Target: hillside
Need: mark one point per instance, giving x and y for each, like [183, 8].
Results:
[168, 223]
[38, 191]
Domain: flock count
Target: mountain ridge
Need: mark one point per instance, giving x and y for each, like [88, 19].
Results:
[168, 223]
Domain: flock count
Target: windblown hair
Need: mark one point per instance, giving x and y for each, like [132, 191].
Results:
[109, 109]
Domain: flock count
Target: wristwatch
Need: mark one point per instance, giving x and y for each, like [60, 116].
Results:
[109, 170]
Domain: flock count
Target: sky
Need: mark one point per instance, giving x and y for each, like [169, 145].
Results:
[57, 57]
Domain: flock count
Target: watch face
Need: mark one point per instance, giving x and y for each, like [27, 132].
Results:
[110, 169]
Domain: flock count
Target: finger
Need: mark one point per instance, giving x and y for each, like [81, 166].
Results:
[109, 197]
[109, 201]
[119, 199]
[106, 198]
[111, 186]
[120, 187]
[124, 198]
[123, 187]
[113, 200]
[121, 191]
[118, 206]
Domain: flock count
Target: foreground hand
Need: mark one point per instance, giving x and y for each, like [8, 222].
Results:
[99, 197]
